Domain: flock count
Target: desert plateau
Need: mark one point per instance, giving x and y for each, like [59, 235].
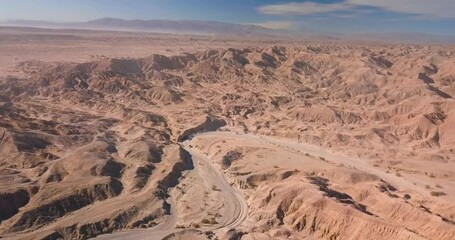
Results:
[133, 135]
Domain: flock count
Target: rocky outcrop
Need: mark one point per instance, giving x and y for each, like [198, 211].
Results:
[210, 124]
[10, 203]
[58, 206]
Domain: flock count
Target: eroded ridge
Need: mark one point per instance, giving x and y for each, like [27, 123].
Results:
[92, 148]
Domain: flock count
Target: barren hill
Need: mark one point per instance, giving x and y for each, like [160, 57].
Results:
[335, 141]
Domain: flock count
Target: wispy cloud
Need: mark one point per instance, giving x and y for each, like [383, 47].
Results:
[305, 8]
[433, 8]
[274, 24]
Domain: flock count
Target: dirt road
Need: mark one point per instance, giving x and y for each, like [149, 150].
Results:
[328, 155]
[235, 205]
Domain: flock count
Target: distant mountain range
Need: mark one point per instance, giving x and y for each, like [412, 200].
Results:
[161, 26]
[229, 29]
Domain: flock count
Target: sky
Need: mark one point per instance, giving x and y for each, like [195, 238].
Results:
[347, 16]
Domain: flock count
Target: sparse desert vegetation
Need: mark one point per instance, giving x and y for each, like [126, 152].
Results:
[437, 193]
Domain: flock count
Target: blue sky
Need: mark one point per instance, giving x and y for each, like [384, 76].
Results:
[430, 16]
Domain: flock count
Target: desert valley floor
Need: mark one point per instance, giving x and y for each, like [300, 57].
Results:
[112, 135]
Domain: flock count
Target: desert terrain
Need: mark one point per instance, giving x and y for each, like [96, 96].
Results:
[112, 135]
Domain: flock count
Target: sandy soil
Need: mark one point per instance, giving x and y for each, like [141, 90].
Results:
[148, 136]
[25, 44]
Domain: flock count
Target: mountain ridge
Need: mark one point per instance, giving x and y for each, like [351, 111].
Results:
[200, 27]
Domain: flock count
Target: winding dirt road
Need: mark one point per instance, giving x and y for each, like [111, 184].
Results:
[235, 205]
[235, 202]
[328, 155]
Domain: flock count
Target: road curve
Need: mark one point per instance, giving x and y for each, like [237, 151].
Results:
[236, 206]
[334, 157]
[235, 202]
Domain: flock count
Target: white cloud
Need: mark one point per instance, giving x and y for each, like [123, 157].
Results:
[274, 24]
[304, 8]
[433, 8]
